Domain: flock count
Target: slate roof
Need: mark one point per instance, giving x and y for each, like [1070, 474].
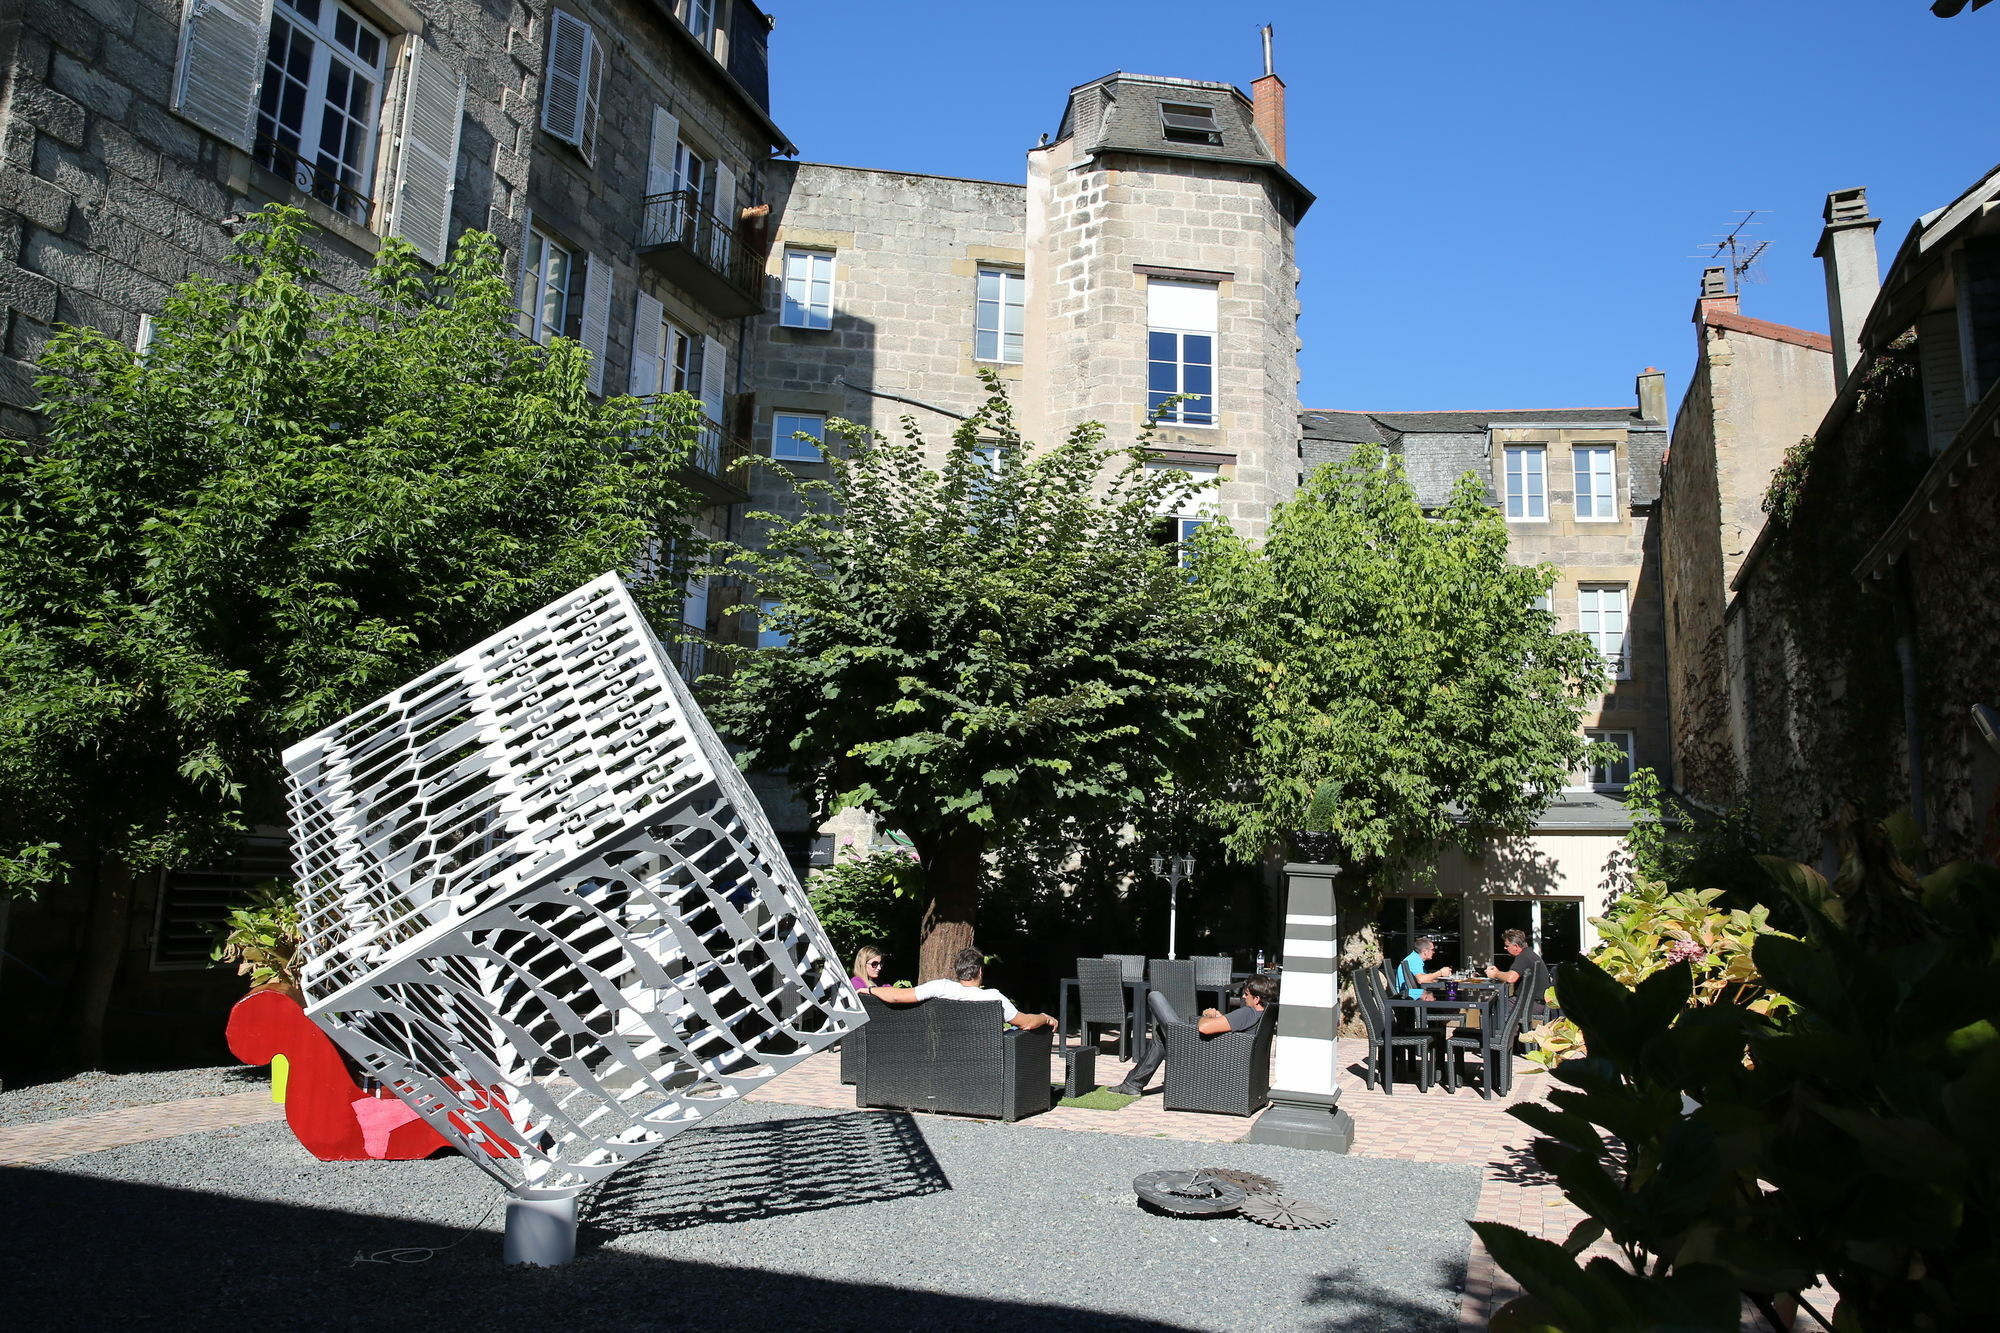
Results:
[1120, 113]
[1584, 812]
[1437, 448]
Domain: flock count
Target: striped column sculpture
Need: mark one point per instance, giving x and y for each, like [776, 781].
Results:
[1305, 1094]
[542, 907]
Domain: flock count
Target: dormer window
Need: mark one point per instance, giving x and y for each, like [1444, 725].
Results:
[1188, 122]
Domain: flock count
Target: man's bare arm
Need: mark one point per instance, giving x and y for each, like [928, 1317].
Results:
[893, 994]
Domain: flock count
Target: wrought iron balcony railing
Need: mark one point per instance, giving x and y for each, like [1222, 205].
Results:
[702, 252]
[316, 176]
[715, 456]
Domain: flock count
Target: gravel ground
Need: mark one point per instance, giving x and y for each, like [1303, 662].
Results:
[83, 1094]
[768, 1216]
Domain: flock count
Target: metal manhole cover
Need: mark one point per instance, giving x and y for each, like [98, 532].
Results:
[1247, 1181]
[1285, 1213]
[1188, 1193]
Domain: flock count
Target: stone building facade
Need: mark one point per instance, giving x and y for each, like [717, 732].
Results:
[615, 149]
[1757, 389]
[1858, 656]
[1579, 488]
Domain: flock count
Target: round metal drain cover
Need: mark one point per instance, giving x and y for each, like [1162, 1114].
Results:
[1285, 1213]
[1247, 1181]
[1188, 1193]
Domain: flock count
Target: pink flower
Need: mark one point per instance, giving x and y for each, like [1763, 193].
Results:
[1685, 951]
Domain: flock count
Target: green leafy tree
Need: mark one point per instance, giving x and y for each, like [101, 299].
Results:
[976, 652]
[293, 500]
[1398, 656]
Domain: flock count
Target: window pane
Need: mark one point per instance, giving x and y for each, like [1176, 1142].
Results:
[785, 426]
[1511, 914]
[1562, 932]
[767, 637]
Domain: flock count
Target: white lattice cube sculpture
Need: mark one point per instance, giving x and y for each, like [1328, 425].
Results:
[544, 909]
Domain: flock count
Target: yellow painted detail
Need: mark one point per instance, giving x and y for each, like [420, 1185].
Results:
[281, 1069]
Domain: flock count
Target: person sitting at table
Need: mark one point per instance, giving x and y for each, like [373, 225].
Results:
[867, 967]
[1410, 975]
[1522, 961]
[1258, 991]
[968, 972]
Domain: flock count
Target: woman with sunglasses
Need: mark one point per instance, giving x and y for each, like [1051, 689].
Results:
[867, 967]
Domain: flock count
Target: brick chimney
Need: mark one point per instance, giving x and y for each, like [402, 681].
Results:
[1652, 393]
[1853, 275]
[1267, 104]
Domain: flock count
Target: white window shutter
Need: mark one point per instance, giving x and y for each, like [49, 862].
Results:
[596, 315]
[593, 90]
[222, 66]
[570, 43]
[427, 153]
[714, 377]
[660, 155]
[649, 348]
[725, 195]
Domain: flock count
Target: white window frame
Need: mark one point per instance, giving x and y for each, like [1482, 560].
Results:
[787, 449]
[1602, 776]
[1526, 503]
[1594, 601]
[1596, 486]
[1544, 602]
[808, 289]
[1177, 311]
[535, 286]
[357, 177]
[990, 317]
[1586, 935]
[701, 18]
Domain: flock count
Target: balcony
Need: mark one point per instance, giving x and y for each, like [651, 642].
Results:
[696, 250]
[711, 469]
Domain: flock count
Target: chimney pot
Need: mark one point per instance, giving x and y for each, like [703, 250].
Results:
[1652, 395]
[1714, 282]
[1853, 274]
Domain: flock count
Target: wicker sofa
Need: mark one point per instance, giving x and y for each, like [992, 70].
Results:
[1227, 1074]
[956, 1056]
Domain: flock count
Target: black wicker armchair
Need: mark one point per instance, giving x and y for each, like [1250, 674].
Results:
[955, 1056]
[1227, 1074]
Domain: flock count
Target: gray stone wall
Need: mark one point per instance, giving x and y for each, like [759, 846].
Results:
[108, 198]
[907, 249]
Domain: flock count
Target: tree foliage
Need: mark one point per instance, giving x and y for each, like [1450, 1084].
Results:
[976, 651]
[1397, 655]
[291, 501]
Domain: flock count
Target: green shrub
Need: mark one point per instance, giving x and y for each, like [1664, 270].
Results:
[1845, 1138]
[875, 898]
[262, 937]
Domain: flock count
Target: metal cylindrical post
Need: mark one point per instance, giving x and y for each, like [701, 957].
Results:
[540, 1232]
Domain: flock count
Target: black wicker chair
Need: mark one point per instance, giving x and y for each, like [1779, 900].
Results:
[1101, 998]
[954, 1056]
[1175, 980]
[1385, 1041]
[1131, 966]
[1227, 1074]
[1499, 1077]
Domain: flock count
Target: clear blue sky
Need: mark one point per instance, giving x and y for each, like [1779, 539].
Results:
[1511, 195]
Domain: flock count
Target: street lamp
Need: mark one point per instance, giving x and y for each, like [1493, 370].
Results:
[1176, 871]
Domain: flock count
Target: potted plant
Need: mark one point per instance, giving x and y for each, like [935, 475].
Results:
[262, 938]
[1315, 841]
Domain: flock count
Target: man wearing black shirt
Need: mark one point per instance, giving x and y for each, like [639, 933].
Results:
[1258, 992]
[1523, 961]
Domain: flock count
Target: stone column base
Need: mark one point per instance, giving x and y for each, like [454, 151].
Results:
[1304, 1120]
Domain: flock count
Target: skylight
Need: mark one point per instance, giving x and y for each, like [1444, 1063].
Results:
[1189, 122]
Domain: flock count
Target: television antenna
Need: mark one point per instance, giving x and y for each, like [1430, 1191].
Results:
[1742, 251]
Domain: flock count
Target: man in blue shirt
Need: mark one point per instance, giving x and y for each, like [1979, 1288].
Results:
[1410, 975]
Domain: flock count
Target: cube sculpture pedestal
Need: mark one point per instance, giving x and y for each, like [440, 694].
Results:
[543, 908]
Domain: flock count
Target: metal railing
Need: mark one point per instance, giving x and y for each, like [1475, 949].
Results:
[678, 219]
[716, 450]
[315, 177]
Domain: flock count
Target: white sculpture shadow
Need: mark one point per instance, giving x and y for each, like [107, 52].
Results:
[543, 908]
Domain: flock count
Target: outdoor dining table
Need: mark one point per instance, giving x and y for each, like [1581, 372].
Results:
[1482, 997]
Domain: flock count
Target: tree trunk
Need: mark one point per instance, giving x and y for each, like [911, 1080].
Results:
[954, 869]
[100, 955]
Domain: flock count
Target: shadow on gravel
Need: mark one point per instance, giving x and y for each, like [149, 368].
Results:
[1369, 1309]
[737, 1173]
[86, 1253]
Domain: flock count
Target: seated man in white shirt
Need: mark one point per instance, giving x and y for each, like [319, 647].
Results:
[968, 971]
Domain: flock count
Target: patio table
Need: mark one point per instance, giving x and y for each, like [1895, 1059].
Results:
[1485, 1005]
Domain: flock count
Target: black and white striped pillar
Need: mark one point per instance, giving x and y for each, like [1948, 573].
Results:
[1305, 1096]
